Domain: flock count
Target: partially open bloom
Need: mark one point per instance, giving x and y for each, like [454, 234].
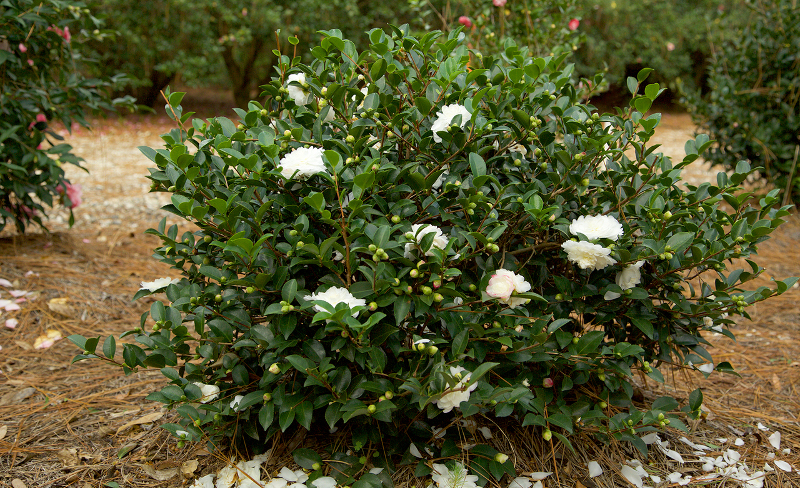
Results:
[457, 477]
[464, 20]
[504, 283]
[453, 397]
[445, 118]
[573, 24]
[209, 392]
[22, 48]
[499, 3]
[421, 230]
[302, 162]
[629, 277]
[336, 295]
[597, 227]
[298, 93]
[73, 192]
[157, 284]
[588, 255]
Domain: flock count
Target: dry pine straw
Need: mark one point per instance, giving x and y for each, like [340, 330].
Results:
[64, 425]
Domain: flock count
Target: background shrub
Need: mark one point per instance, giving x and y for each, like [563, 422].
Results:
[753, 107]
[394, 242]
[40, 83]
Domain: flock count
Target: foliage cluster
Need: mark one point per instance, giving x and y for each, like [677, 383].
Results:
[400, 239]
[753, 107]
[675, 40]
[40, 83]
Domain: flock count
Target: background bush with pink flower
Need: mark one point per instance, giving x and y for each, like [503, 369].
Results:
[397, 240]
[41, 84]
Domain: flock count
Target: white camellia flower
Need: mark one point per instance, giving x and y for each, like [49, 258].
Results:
[452, 398]
[336, 295]
[158, 284]
[629, 277]
[503, 283]
[305, 161]
[445, 118]
[298, 94]
[588, 255]
[209, 392]
[457, 477]
[421, 230]
[597, 227]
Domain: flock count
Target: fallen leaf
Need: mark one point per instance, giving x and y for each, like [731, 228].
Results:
[776, 382]
[61, 306]
[24, 345]
[189, 467]
[124, 450]
[147, 419]
[3, 431]
[17, 483]
[16, 396]
[159, 474]
[68, 457]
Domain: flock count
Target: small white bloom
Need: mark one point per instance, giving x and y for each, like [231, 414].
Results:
[596, 227]
[336, 295]
[236, 401]
[587, 255]
[337, 256]
[438, 183]
[594, 469]
[208, 392]
[503, 283]
[157, 284]
[629, 277]
[445, 118]
[421, 230]
[305, 161]
[707, 368]
[297, 93]
[452, 398]
[458, 477]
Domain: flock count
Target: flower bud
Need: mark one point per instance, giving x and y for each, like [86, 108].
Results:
[547, 382]
[316, 466]
[438, 297]
[389, 395]
[373, 306]
[547, 435]
[500, 457]
[274, 369]
[432, 350]
[414, 273]
[371, 409]
[602, 405]
[395, 219]
[472, 287]
[267, 397]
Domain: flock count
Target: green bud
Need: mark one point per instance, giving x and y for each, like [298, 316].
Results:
[371, 409]
[575, 339]
[267, 397]
[517, 163]
[395, 219]
[300, 244]
[249, 289]
[438, 297]
[601, 376]
[373, 306]
[389, 395]
[426, 290]
[218, 298]
[316, 466]
[414, 273]
[372, 248]
[350, 139]
[293, 232]
[496, 324]
[602, 405]
[432, 350]
[667, 215]
[585, 182]
[472, 287]
[547, 435]
[559, 297]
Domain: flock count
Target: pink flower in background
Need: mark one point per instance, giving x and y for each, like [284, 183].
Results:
[30, 62]
[464, 20]
[670, 46]
[573, 24]
[499, 3]
[74, 193]
[22, 48]
[66, 35]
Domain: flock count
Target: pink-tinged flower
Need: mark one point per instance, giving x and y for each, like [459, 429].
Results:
[30, 62]
[463, 20]
[28, 211]
[66, 35]
[41, 118]
[48, 339]
[23, 48]
[573, 24]
[504, 283]
[11, 323]
[499, 3]
[670, 46]
[74, 193]
[547, 383]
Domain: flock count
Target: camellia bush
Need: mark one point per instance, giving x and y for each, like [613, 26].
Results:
[397, 243]
[40, 84]
[753, 107]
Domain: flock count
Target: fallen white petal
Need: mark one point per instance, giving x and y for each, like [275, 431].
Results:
[722, 440]
[650, 438]
[784, 466]
[767, 467]
[655, 479]
[17, 293]
[540, 475]
[206, 481]
[538, 484]
[324, 482]
[5, 282]
[485, 431]
[632, 476]
[762, 427]
[731, 456]
[11, 323]
[594, 469]
[520, 482]
[775, 440]
[414, 451]
[675, 455]
[738, 442]
[787, 451]
[674, 476]
[770, 455]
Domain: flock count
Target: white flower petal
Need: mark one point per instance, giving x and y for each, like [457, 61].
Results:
[520, 482]
[597, 227]
[594, 469]
[775, 440]
[324, 482]
[738, 442]
[540, 475]
[302, 162]
[206, 481]
[157, 284]
[4, 282]
[784, 466]
[762, 427]
[445, 119]
[632, 476]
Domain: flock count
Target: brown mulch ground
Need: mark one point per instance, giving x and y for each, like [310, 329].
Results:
[86, 424]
